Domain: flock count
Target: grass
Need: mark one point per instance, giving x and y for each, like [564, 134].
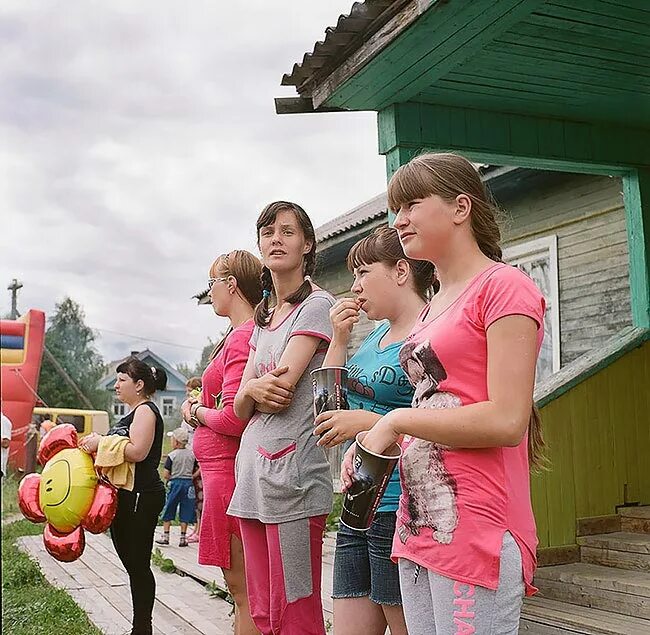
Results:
[332, 523]
[164, 564]
[10, 495]
[30, 604]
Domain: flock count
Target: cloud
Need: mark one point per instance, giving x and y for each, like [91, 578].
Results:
[140, 142]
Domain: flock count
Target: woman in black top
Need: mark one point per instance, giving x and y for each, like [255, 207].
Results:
[137, 513]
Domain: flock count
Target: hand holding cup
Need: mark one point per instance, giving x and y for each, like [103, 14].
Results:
[344, 315]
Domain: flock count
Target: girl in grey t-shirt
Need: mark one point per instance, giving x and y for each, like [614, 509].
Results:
[284, 490]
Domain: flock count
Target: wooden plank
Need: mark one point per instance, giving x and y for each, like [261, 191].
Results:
[209, 616]
[104, 567]
[52, 569]
[100, 612]
[446, 47]
[578, 619]
[614, 558]
[637, 206]
[623, 603]
[531, 33]
[607, 145]
[608, 20]
[598, 525]
[551, 556]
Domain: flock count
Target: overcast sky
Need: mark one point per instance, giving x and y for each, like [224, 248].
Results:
[139, 141]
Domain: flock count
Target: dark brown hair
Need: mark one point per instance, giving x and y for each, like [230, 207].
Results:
[153, 377]
[246, 268]
[267, 217]
[447, 175]
[383, 245]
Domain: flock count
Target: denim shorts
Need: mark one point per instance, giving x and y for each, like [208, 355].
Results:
[178, 500]
[362, 564]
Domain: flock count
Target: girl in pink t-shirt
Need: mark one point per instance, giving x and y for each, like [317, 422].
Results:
[465, 537]
[234, 288]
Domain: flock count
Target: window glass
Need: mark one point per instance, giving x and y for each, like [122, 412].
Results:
[168, 405]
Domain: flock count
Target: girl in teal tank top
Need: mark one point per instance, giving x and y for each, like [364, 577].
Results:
[390, 287]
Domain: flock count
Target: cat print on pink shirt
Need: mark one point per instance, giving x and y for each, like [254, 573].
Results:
[431, 490]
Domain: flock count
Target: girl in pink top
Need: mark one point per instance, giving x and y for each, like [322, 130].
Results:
[465, 537]
[234, 288]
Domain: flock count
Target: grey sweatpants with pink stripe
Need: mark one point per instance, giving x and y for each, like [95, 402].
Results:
[436, 605]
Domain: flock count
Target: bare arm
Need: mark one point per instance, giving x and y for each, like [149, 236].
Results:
[273, 391]
[501, 421]
[244, 404]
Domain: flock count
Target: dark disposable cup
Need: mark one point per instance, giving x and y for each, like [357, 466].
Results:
[330, 389]
[369, 481]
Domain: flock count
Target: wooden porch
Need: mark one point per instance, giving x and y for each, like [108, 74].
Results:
[590, 598]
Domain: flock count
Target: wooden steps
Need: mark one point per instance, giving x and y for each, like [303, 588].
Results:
[620, 549]
[596, 586]
[543, 616]
[607, 592]
[635, 519]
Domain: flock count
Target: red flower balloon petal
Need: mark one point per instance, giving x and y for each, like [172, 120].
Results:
[58, 438]
[28, 498]
[64, 547]
[101, 513]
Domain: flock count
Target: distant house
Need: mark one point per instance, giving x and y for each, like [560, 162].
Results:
[168, 400]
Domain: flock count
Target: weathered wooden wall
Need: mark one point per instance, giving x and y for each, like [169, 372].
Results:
[587, 215]
[598, 437]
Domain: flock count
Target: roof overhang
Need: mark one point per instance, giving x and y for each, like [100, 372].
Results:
[584, 61]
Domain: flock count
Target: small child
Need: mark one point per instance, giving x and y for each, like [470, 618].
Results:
[178, 470]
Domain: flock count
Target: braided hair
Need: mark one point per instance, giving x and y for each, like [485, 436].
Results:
[267, 217]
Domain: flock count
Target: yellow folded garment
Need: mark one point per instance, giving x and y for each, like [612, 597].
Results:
[110, 458]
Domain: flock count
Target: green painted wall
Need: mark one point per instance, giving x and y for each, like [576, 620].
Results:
[598, 437]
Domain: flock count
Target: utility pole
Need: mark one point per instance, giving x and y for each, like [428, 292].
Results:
[13, 287]
[68, 380]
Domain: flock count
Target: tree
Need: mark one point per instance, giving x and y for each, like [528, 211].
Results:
[201, 365]
[72, 344]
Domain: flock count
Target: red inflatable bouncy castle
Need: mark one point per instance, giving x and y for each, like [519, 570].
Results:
[21, 351]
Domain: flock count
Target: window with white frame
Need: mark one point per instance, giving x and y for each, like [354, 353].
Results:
[538, 259]
[168, 404]
[119, 408]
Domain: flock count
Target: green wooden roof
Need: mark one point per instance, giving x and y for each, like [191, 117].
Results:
[580, 60]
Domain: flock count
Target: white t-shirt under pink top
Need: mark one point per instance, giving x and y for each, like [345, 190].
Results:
[457, 503]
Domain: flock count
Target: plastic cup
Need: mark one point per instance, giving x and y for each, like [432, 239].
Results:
[330, 385]
[369, 481]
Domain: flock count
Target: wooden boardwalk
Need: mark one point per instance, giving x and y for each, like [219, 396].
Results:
[98, 583]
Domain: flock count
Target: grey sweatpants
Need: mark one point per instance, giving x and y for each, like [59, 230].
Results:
[436, 605]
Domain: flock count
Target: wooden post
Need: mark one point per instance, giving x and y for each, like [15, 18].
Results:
[636, 192]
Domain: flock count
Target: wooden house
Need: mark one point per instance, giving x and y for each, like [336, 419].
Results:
[168, 400]
[561, 90]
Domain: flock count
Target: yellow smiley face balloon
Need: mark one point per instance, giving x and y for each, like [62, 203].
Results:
[67, 488]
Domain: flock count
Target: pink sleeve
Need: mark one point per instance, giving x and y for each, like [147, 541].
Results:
[509, 291]
[235, 354]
